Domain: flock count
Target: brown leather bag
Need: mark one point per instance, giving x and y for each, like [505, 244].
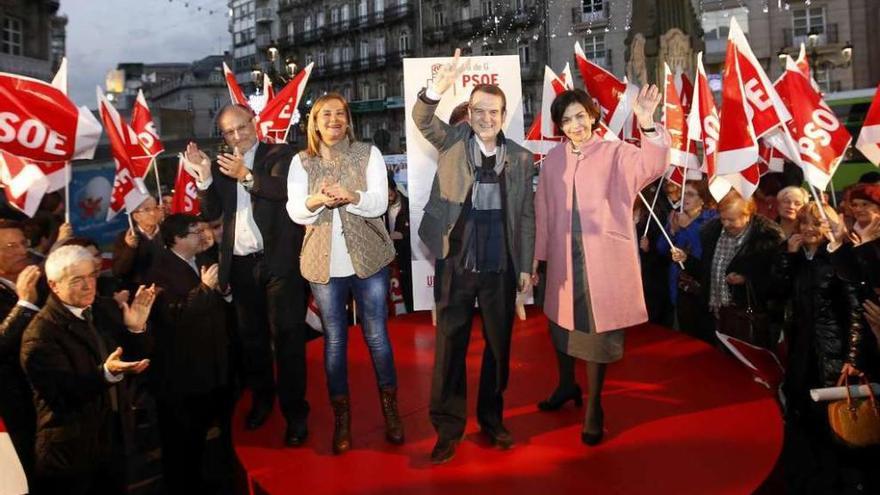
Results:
[855, 422]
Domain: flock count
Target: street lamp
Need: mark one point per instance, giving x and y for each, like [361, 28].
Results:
[829, 61]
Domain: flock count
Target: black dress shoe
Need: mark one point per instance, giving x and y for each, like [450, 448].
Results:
[444, 450]
[258, 415]
[498, 436]
[559, 397]
[592, 434]
[296, 433]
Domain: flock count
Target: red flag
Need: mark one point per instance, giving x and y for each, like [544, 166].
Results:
[737, 143]
[186, 195]
[704, 126]
[685, 89]
[869, 137]
[614, 96]
[131, 159]
[542, 136]
[142, 123]
[771, 158]
[803, 65]
[820, 137]
[275, 119]
[39, 122]
[26, 181]
[235, 93]
[682, 151]
[268, 89]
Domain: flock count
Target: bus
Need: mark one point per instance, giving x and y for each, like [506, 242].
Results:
[851, 107]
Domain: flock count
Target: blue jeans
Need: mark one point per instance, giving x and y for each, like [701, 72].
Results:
[370, 294]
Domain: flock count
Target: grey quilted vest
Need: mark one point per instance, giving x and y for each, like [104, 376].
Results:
[367, 239]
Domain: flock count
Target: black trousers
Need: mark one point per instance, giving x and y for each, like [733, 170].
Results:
[183, 425]
[455, 294]
[271, 312]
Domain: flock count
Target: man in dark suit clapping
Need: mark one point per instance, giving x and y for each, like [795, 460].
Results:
[259, 259]
[72, 358]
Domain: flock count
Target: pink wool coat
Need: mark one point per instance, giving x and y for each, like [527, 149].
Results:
[609, 178]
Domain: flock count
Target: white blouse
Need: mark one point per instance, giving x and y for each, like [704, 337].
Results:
[373, 203]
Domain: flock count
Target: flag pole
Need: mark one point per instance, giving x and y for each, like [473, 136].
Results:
[158, 182]
[684, 179]
[653, 203]
[662, 229]
[68, 173]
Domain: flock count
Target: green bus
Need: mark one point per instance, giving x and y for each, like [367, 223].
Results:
[851, 108]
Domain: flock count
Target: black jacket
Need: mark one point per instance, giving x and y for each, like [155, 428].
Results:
[131, 265]
[189, 337]
[62, 361]
[753, 260]
[827, 321]
[282, 239]
[16, 403]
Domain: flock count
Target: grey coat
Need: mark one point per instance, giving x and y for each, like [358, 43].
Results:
[454, 179]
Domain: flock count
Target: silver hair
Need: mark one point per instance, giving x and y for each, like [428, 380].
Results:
[63, 258]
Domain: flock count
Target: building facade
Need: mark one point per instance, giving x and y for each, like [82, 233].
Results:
[31, 37]
[254, 27]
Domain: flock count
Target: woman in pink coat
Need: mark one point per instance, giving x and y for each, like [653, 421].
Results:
[585, 233]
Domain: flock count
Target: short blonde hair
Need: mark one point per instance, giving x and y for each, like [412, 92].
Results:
[314, 137]
[793, 191]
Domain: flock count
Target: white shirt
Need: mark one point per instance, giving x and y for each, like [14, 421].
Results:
[247, 238]
[373, 203]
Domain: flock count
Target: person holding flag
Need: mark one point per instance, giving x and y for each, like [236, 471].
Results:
[584, 232]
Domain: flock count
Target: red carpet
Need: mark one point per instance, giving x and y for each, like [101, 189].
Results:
[680, 418]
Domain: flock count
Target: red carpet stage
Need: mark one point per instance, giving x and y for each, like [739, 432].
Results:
[680, 418]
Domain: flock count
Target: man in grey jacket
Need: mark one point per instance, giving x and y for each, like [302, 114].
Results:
[479, 224]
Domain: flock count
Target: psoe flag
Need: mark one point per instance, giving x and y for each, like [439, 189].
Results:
[143, 125]
[39, 122]
[869, 137]
[12, 478]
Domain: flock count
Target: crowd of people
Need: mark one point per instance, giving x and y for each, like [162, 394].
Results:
[196, 308]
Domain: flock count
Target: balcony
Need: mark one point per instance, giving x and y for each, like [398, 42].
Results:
[522, 18]
[340, 26]
[398, 11]
[361, 21]
[265, 14]
[826, 35]
[436, 35]
[579, 18]
[467, 27]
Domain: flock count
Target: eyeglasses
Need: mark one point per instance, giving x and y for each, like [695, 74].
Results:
[148, 209]
[25, 244]
[228, 133]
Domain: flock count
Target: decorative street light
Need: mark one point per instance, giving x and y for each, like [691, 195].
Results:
[828, 60]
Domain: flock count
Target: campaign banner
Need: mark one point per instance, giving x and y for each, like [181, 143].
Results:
[421, 156]
[90, 190]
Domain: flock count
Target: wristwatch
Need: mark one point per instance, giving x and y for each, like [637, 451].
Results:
[248, 180]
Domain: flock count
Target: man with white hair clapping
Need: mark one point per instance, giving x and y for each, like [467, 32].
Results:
[72, 357]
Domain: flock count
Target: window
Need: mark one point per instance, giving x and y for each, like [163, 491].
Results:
[822, 75]
[362, 8]
[334, 15]
[307, 23]
[594, 49]
[290, 29]
[523, 51]
[381, 90]
[319, 19]
[347, 53]
[403, 42]
[366, 132]
[321, 59]
[379, 6]
[487, 8]
[807, 20]
[337, 55]
[380, 47]
[439, 16]
[520, 5]
[716, 24]
[346, 92]
[592, 6]
[345, 14]
[465, 11]
[528, 104]
[365, 91]
[365, 49]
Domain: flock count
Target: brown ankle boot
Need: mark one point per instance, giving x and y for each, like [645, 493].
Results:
[393, 424]
[341, 424]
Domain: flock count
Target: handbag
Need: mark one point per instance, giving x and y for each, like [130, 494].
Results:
[688, 284]
[746, 323]
[855, 422]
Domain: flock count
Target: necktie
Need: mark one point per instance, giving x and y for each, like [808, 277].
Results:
[102, 349]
